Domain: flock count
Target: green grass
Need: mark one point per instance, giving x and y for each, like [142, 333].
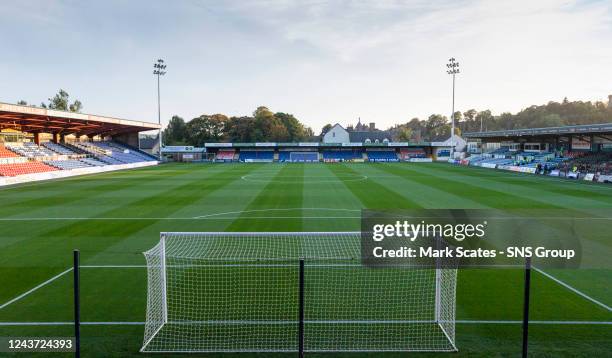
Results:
[113, 217]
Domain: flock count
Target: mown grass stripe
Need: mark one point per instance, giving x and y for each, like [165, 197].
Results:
[53, 195]
[574, 191]
[284, 190]
[371, 194]
[60, 240]
[342, 209]
[425, 194]
[443, 180]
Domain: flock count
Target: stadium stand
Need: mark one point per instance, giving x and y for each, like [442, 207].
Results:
[226, 155]
[113, 153]
[30, 150]
[406, 154]
[67, 164]
[11, 170]
[109, 160]
[45, 144]
[600, 162]
[284, 156]
[28, 158]
[256, 155]
[342, 155]
[444, 153]
[497, 161]
[298, 156]
[382, 156]
[58, 148]
[93, 162]
[500, 151]
[5, 153]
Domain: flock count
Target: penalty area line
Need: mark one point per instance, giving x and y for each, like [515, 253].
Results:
[35, 288]
[186, 218]
[574, 290]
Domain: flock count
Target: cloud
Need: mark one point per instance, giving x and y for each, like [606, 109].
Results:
[324, 61]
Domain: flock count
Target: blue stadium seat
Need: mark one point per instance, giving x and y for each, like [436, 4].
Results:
[256, 155]
[342, 155]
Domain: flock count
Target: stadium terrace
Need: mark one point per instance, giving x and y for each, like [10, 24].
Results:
[574, 152]
[39, 144]
[310, 152]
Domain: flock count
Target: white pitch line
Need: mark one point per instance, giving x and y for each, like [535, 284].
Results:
[574, 290]
[602, 323]
[271, 209]
[171, 218]
[126, 323]
[36, 288]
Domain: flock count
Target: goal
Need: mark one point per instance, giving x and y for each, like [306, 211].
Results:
[304, 156]
[289, 292]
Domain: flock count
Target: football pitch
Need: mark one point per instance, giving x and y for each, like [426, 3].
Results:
[113, 217]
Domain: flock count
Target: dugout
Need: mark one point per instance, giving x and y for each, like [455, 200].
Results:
[183, 153]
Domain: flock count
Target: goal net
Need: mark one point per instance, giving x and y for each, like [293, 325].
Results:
[267, 292]
[304, 156]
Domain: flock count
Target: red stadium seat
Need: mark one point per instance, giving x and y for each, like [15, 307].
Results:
[11, 170]
[5, 153]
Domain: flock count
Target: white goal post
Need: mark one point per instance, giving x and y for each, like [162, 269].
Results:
[288, 291]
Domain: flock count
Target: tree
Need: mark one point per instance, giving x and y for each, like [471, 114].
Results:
[240, 129]
[268, 127]
[206, 128]
[505, 121]
[295, 130]
[404, 134]
[309, 133]
[435, 127]
[76, 106]
[22, 102]
[61, 102]
[485, 119]
[326, 129]
[549, 120]
[552, 114]
[469, 121]
[176, 132]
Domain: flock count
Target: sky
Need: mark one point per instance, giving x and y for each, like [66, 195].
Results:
[323, 61]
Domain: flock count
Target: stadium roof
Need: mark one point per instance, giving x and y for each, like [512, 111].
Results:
[604, 128]
[41, 120]
[268, 145]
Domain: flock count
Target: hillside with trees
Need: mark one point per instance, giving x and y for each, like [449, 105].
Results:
[267, 126]
[552, 114]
